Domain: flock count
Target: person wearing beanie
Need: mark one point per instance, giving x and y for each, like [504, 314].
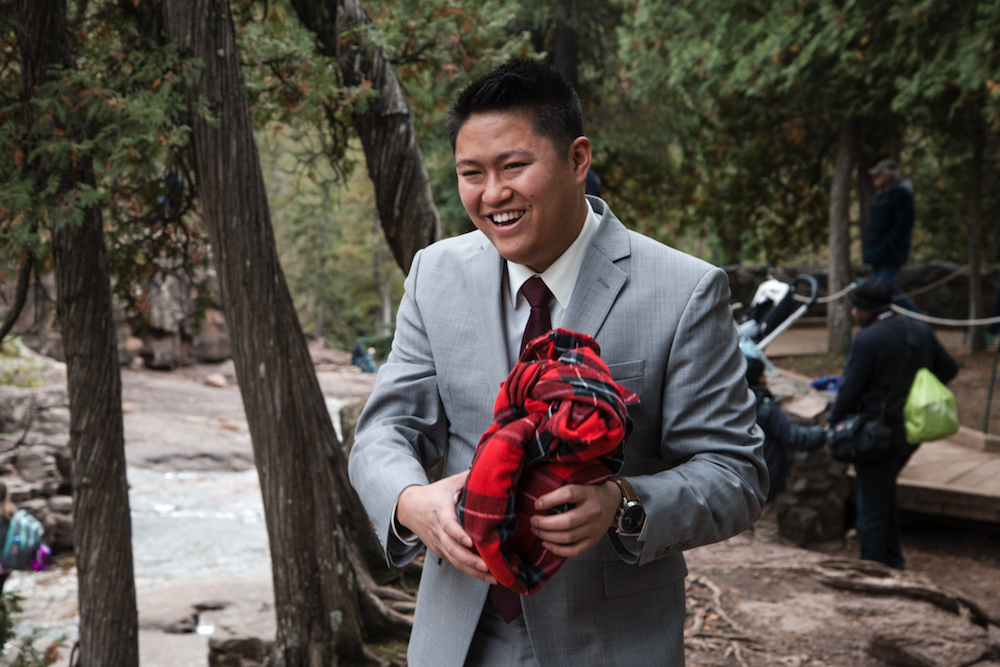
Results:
[890, 225]
[888, 345]
[781, 435]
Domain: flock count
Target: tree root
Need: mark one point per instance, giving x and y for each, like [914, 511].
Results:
[381, 621]
[872, 577]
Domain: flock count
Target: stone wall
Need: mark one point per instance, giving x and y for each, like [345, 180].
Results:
[171, 336]
[811, 509]
[35, 459]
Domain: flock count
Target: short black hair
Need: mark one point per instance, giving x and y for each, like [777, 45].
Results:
[527, 86]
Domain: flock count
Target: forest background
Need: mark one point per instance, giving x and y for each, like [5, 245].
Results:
[716, 128]
[142, 138]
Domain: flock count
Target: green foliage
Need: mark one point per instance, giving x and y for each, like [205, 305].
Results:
[21, 651]
[18, 369]
[115, 112]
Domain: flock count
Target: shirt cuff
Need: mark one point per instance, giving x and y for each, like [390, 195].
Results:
[402, 533]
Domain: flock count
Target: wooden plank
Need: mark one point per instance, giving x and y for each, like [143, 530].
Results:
[984, 479]
[940, 463]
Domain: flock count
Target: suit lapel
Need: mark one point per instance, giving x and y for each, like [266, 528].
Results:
[600, 280]
[484, 272]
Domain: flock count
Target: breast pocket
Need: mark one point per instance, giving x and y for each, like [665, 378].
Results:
[629, 374]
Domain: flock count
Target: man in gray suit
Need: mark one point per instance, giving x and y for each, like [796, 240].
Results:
[693, 471]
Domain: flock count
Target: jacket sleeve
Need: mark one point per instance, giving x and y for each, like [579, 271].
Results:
[778, 427]
[854, 381]
[403, 429]
[716, 479]
[942, 364]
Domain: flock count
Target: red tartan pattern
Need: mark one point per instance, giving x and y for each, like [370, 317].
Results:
[559, 419]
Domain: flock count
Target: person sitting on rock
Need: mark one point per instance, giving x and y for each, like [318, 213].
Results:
[781, 435]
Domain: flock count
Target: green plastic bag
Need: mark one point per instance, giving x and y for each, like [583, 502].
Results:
[930, 411]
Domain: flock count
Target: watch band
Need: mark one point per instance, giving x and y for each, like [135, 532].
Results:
[628, 493]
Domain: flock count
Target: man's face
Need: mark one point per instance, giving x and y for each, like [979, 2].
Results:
[526, 196]
[881, 180]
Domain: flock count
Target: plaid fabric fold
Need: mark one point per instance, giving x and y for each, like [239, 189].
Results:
[559, 419]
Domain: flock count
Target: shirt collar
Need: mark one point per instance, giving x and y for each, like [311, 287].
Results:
[561, 276]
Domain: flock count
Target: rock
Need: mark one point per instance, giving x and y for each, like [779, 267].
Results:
[937, 639]
[61, 504]
[216, 380]
[129, 349]
[210, 343]
[162, 352]
[238, 652]
[806, 409]
[349, 415]
[186, 625]
[59, 531]
[36, 465]
[211, 605]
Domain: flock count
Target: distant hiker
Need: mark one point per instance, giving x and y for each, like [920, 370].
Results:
[890, 225]
[362, 358]
[884, 357]
[21, 546]
[781, 435]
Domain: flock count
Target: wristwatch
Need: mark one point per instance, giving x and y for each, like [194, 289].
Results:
[630, 516]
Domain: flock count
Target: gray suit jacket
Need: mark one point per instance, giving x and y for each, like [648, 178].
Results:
[663, 322]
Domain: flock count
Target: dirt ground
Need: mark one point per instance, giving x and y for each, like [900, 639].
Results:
[761, 600]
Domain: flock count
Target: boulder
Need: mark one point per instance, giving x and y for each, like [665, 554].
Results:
[237, 652]
[210, 342]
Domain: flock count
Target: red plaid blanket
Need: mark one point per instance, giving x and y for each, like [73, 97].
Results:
[559, 419]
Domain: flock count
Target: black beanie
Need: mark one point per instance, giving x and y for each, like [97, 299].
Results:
[872, 294]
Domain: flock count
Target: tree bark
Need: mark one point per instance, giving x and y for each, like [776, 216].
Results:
[838, 323]
[20, 294]
[402, 187]
[565, 44]
[977, 335]
[102, 526]
[312, 512]
[866, 195]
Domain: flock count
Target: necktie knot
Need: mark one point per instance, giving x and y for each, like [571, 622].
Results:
[536, 292]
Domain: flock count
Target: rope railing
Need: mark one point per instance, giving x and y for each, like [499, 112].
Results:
[982, 321]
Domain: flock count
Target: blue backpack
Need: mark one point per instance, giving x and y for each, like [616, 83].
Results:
[23, 538]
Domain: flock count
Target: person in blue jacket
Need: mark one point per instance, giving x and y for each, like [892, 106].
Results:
[890, 226]
[781, 435]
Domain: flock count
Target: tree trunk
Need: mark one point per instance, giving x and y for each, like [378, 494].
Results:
[838, 324]
[565, 52]
[866, 195]
[102, 527]
[977, 335]
[402, 187]
[314, 518]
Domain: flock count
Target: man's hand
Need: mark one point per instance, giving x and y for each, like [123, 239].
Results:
[574, 532]
[429, 511]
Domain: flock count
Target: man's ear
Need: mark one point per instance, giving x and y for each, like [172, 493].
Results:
[579, 156]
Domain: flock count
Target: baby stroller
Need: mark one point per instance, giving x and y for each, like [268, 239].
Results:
[773, 310]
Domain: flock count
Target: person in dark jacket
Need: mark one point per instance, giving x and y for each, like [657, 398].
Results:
[781, 435]
[890, 225]
[885, 355]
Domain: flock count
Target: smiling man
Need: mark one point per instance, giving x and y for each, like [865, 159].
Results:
[693, 472]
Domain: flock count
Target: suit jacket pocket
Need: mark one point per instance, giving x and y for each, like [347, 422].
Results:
[628, 374]
[621, 579]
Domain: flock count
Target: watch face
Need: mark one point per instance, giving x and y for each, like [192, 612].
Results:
[632, 519]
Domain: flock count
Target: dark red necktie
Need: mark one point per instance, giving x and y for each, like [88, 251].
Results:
[539, 321]
[506, 601]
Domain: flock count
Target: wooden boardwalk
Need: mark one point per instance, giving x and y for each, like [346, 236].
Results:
[956, 477]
